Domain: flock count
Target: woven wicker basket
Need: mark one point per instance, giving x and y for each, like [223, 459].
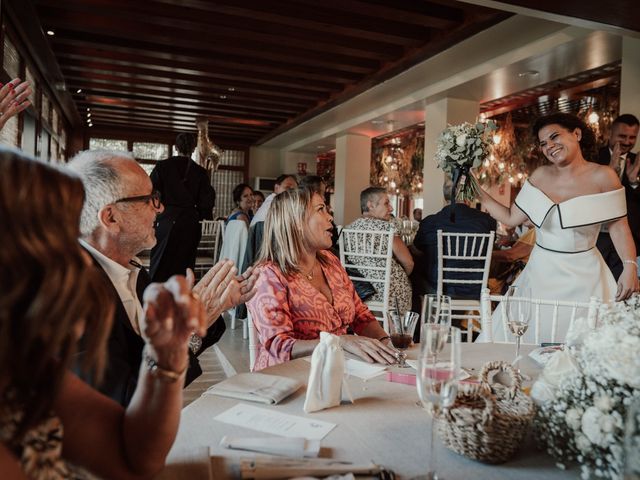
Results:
[488, 421]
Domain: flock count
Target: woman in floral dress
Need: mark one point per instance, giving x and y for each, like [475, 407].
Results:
[303, 289]
[376, 215]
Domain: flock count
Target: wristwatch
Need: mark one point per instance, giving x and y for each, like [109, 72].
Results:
[168, 376]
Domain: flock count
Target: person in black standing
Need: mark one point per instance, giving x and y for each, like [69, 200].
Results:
[618, 155]
[188, 197]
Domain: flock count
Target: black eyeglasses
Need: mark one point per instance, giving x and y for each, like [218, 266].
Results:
[154, 198]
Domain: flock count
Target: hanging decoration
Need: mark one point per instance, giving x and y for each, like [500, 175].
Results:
[209, 153]
[509, 159]
[397, 162]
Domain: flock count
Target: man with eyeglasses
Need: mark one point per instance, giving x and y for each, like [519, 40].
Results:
[117, 223]
[188, 197]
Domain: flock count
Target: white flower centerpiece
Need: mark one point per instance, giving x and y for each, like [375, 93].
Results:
[460, 148]
[583, 421]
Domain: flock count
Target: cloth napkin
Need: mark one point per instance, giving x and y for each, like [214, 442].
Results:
[256, 387]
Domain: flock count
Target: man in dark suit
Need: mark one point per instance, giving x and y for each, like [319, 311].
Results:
[187, 197]
[617, 154]
[117, 223]
[467, 220]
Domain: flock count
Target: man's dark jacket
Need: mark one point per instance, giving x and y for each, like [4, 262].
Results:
[124, 348]
[604, 243]
[467, 220]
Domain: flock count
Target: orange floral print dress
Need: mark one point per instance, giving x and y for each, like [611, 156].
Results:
[286, 309]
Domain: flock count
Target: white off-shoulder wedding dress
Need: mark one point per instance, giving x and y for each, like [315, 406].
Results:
[565, 263]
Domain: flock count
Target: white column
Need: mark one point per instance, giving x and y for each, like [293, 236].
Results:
[353, 163]
[630, 77]
[438, 115]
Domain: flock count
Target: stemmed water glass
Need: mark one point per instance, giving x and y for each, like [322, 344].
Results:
[437, 382]
[436, 320]
[401, 328]
[518, 309]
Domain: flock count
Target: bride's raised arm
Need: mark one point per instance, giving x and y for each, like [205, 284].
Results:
[511, 217]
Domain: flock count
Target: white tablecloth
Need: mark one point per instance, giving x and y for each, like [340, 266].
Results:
[384, 426]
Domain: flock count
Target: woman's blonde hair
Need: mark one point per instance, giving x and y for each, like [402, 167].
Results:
[47, 287]
[283, 241]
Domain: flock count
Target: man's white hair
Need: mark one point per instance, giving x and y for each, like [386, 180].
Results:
[102, 182]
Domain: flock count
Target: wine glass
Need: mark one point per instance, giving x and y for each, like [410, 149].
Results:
[518, 309]
[401, 328]
[437, 382]
[436, 311]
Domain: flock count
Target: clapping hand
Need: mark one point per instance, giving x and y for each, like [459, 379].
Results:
[222, 288]
[633, 169]
[13, 99]
[172, 314]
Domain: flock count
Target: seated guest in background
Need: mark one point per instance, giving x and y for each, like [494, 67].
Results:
[376, 215]
[243, 198]
[283, 182]
[258, 200]
[417, 214]
[116, 224]
[52, 424]
[303, 289]
[188, 197]
[507, 264]
[467, 220]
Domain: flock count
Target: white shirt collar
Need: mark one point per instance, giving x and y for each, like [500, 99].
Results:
[113, 269]
[624, 155]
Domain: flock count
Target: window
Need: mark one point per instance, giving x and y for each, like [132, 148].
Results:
[150, 151]
[9, 134]
[11, 59]
[29, 134]
[32, 81]
[224, 182]
[107, 144]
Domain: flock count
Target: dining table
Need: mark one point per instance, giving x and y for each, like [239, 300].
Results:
[385, 425]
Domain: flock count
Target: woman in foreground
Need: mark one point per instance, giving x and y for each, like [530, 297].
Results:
[303, 289]
[53, 425]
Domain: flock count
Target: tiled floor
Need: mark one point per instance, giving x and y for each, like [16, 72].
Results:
[229, 356]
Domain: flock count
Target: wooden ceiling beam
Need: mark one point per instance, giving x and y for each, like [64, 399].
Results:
[122, 28]
[93, 101]
[177, 96]
[70, 54]
[289, 81]
[136, 90]
[194, 24]
[269, 17]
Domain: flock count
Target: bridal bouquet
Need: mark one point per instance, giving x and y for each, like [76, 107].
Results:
[584, 419]
[460, 148]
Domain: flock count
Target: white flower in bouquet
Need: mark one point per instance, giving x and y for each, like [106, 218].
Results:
[584, 419]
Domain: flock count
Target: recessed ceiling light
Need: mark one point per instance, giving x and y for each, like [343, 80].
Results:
[89, 115]
[88, 109]
[222, 97]
[529, 73]
[79, 90]
[51, 33]
[231, 89]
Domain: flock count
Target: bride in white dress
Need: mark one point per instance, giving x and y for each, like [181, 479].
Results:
[567, 201]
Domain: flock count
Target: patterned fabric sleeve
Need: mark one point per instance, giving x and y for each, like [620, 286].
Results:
[270, 312]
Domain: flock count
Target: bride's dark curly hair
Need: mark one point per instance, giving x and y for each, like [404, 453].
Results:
[49, 288]
[569, 122]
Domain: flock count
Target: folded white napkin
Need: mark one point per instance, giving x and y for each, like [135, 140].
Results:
[256, 387]
[363, 370]
[296, 447]
[324, 389]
